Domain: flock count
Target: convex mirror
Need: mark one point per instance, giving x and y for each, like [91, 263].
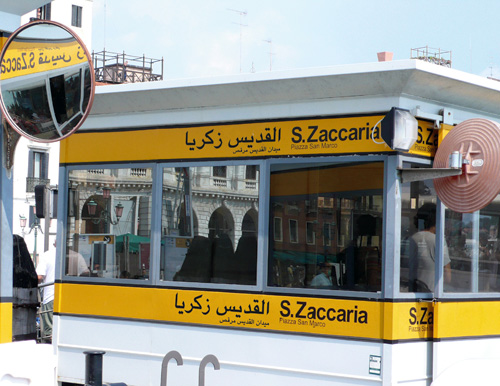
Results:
[46, 81]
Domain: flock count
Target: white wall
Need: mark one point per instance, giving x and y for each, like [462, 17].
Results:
[61, 12]
[23, 200]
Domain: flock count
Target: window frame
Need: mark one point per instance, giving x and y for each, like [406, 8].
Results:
[62, 223]
[285, 164]
[402, 161]
[265, 168]
[43, 166]
[295, 238]
[45, 12]
[327, 241]
[155, 240]
[310, 238]
[280, 238]
[76, 16]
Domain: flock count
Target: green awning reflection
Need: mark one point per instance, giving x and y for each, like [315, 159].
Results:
[299, 257]
[133, 242]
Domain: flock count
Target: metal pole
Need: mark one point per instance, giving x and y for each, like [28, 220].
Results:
[143, 65]
[93, 368]
[46, 214]
[6, 244]
[34, 249]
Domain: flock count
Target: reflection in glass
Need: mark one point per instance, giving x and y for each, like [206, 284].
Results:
[330, 233]
[29, 108]
[109, 223]
[209, 225]
[47, 115]
[474, 249]
[418, 236]
[46, 82]
[418, 239]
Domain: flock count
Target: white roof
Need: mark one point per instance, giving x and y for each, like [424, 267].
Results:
[294, 93]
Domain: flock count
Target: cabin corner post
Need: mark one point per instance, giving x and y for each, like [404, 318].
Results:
[6, 213]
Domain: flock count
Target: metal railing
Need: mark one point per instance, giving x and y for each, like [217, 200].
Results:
[115, 68]
[31, 182]
[432, 55]
[41, 335]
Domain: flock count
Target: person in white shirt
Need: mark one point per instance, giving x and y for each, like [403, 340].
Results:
[422, 252]
[46, 274]
[324, 278]
[76, 265]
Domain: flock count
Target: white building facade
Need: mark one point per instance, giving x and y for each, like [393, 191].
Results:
[38, 163]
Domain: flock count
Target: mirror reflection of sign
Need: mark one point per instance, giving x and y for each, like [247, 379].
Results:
[46, 81]
[24, 59]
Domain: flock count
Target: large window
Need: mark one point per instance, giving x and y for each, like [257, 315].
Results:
[333, 217]
[471, 250]
[209, 228]
[109, 223]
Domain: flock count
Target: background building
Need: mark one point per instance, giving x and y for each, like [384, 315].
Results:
[38, 163]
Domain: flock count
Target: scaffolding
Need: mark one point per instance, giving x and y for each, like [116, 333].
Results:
[115, 68]
[432, 55]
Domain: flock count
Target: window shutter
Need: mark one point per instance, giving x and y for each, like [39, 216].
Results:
[45, 166]
[30, 163]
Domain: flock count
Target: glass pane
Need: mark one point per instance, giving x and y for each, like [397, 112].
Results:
[332, 227]
[30, 108]
[418, 237]
[176, 207]
[109, 223]
[209, 228]
[66, 92]
[474, 249]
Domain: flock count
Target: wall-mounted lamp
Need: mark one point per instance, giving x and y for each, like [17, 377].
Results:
[34, 226]
[399, 129]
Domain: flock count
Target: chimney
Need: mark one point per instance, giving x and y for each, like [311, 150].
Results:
[384, 56]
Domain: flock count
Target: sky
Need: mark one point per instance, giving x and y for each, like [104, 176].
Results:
[204, 38]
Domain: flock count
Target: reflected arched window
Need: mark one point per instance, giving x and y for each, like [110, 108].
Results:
[91, 224]
[221, 222]
[249, 224]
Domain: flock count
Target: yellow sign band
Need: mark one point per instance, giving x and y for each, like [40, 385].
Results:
[22, 58]
[355, 319]
[346, 135]
[5, 322]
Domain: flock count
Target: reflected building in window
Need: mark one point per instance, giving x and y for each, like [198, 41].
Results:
[114, 207]
[324, 217]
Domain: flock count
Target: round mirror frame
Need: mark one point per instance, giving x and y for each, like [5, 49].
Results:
[85, 114]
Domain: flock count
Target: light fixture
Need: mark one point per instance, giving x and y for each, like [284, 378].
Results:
[106, 193]
[119, 211]
[399, 129]
[34, 226]
[22, 222]
[91, 207]
[104, 215]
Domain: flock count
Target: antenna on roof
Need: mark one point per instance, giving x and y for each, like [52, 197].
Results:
[241, 13]
[104, 24]
[271, 53]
